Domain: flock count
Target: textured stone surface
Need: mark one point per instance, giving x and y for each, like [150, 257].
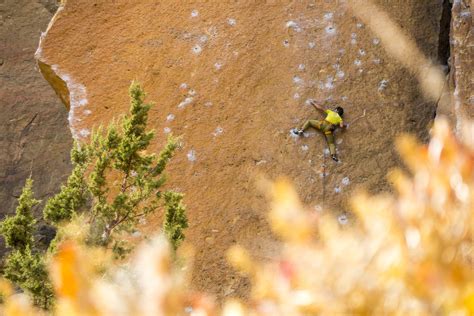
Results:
[457, 102]
[34, 134]
[233, 78]
[462, 61]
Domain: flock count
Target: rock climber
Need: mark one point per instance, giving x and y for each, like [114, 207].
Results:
[332, 121]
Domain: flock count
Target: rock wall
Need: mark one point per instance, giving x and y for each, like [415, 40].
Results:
[233, 78]
[462, 61]
[34, 134]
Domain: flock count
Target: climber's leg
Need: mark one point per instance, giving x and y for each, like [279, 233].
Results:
[332, 147]
[311, 123]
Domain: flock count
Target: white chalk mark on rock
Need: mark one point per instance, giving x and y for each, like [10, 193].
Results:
[297, 80]
[345, 181]
[383, 85]
[197, 49]
[231, 21]
[342, 219]
[293, 25]
[191, 155]
[330, 29]
[340, 74]
[329, 84]
[323, 174]
[84, 132]
[353, 38]
[194, 13]
[260, 162]
[328, 16]
[166, 130]
[293, 133]
[185, 102]
[170, 117]
[219, 130]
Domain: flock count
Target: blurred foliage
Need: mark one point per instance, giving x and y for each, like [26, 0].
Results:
[410, 253]
[407, 254]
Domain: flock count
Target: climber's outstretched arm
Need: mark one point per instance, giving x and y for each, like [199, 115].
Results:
[317, 106]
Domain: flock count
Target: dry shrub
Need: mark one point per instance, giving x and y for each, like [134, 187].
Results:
[407, 254]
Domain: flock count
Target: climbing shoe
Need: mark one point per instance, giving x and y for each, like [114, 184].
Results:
[334, 157]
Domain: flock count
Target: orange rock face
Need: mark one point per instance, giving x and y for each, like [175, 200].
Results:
[233, 79]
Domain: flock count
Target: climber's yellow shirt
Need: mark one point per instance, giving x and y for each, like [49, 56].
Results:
[333, 117]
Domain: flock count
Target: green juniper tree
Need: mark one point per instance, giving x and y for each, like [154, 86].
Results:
[120, 153]
[114, 183]
[175, 218]
[124, 181]
[18, 230]
[23, 265]
[28, 270]
[73, 195]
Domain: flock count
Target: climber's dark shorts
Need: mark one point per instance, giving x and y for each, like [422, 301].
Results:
[325, 127]
[322, 125]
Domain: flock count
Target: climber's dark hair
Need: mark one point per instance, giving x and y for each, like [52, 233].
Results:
[340, 111]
